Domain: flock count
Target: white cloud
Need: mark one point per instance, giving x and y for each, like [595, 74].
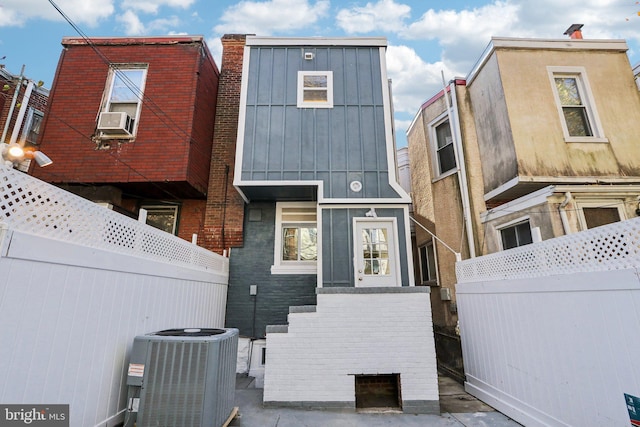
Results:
[412, 78]
[268, 17]
[386, 15]
[18, 12]
[133, 26]
[131, 23]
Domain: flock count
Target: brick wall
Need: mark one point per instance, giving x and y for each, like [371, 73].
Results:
[225, 206]
[167, 137]
[314, 363]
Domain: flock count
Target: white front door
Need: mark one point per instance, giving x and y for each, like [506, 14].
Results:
[376, 252]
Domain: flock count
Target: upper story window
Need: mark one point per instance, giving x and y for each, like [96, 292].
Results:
[121, 107]
[31, 129]
[444, 158]
[516, 234]
[296, 245]
[315, 89]
[579, 118]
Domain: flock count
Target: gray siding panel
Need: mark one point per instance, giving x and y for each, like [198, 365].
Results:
[337, 247]
[319, 144]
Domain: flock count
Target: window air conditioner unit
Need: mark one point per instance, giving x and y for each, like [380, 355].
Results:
[182, 377]
[115, 123]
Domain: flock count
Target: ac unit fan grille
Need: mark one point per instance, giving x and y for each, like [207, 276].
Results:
[174, 391]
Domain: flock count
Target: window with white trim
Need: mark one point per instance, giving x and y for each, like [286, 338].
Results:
[162, 217]
[296, 242]
[427, 264]
[516, 234]
[31, 129]
[315, 89]
[579, 118]
[124, 94]
[444, 158]
[594, 213]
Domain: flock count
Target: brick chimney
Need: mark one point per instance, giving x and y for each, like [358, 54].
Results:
[224, 215]
[574, 31]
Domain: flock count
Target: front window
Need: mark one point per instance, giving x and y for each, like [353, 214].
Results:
[315, 89]
[296, 246]
[516, 235]
[578, 115]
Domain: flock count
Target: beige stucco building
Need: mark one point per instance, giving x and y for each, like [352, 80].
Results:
[540, 139]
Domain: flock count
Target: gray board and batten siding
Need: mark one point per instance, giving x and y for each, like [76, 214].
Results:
[335, 146]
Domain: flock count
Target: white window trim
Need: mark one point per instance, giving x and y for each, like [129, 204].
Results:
[433, 148]
[106, 104]
[598, 203]
[29, 122]
[512, 223]
[291, 267]
[580, 73]
[300, 96]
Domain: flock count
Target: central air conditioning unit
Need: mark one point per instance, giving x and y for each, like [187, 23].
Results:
[182, 377]
[115, 123]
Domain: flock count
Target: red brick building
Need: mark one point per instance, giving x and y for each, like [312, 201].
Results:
[22, 106]
[130, 124]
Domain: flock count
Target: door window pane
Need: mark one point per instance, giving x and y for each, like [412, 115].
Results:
[375, 251]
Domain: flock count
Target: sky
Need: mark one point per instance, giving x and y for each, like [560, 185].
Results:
[426, 38]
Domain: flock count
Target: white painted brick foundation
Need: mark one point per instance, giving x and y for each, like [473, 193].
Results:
[355, 331]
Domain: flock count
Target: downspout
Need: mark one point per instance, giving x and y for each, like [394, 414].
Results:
[13, 104]
[563, 214]
[460, 162]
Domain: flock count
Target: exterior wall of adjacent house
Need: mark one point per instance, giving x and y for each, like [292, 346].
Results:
[36, 102]
[223, 223]
[513, 94]
[167, 162]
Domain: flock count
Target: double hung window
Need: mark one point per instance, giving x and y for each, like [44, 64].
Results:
[315, 89]
[515, 235]
[444, 157]
[296, 245]
[579, 118]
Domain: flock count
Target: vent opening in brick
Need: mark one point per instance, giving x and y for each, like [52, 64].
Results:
[378, 391]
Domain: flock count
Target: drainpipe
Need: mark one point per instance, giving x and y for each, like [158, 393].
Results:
[456, 134]
[23, 110]
[13, 104]
[563, 214]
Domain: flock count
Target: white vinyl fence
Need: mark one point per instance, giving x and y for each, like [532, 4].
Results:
[551, 331]
[77, 283]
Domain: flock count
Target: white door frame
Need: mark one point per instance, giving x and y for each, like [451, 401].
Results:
[394, 279]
